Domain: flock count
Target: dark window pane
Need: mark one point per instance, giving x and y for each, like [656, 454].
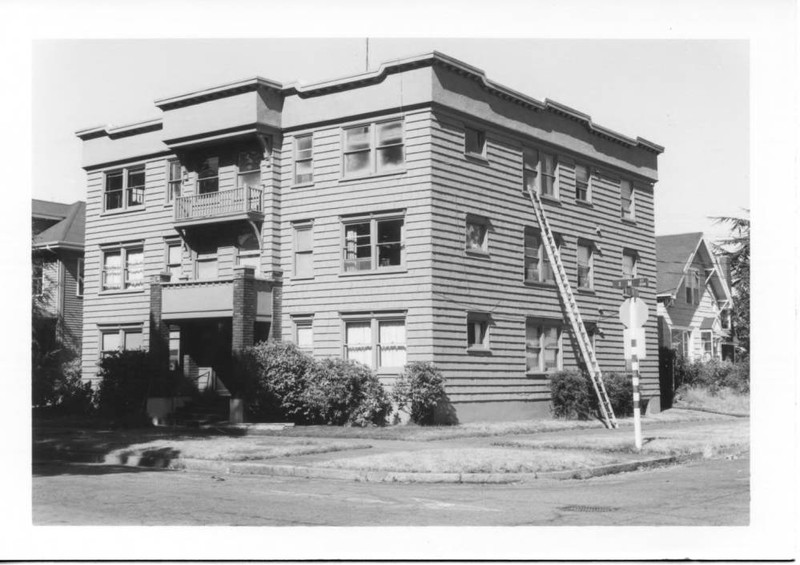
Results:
[390, 158]
[356, 162]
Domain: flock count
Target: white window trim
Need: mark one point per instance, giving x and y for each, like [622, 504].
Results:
[374, 319]
[125, 207]
[373, 220]
[170, 196]
[199, 180]
[202, 257]
[300, 226]
[80, 277]
[123, 249]
[240, 172]
[477, 220]
[481, 139]
[310, 158]
[540, 175]
[592, 250]
[589, 183]
[303, 321]
[121, 330]
[372, 169]
[630, 216]
[543, 323]
[484, 319]
[542, 255]
[635, 256]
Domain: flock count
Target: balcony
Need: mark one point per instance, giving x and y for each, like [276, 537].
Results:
[187, 300]
[244, 203]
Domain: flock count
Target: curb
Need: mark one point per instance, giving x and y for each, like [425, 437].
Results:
[707, 411]
[299, 471]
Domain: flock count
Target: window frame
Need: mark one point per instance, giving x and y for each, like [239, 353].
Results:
[589, 184]
[692, 287]
[555, 174]
[372, 150]
[304, 321]
[543, 324]
[203, 256]
[635, 265]
[482, 321]
[710, 341]
[374, 319]
[124, 250]
[628, 214]
[240, 173]
[171, 194]
[297, 159]
[126, 189]
[541, 254]
[486, 224]
[200, 180]
[480, 137]
[80, 289]
[591, 247]
[122, 331]
[305, 225]
[170, 243]
[37, 286]
[373, 220]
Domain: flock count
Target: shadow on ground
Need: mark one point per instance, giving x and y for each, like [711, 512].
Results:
[52, 469]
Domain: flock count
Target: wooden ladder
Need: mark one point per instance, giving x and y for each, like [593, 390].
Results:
[575, 320]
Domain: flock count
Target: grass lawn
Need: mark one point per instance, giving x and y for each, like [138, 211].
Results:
[709, 440]
[725, 400]
[474, 460]
[239, 449]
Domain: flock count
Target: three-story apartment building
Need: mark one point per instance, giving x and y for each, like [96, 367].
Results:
[383, 218]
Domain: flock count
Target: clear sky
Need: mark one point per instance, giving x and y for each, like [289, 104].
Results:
[690, 96]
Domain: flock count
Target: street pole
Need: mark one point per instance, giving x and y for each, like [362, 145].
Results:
[637, 421]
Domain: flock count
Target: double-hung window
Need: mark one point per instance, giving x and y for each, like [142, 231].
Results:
[548, 171]
[304, 332]
[208, 176]
[38, 277]
[478, 324]
[205, 264]
[629, 264]
[542, 346]
[373, 242]
[249, 169]
[124, 188]
[117, 338]
[248, 252]
[537, 264]
[303, 159]
[707, 343]
[628, 200]
[174, 179]
[585, 264]
[583, 183]
[376, 340]
[303, 250]
[173, 259]
[123, 268]
[373, 148]
[530, 170]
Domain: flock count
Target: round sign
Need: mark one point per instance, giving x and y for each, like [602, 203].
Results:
[633, 313]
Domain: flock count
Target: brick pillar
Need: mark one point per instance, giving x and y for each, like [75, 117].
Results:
[277, 310]
[159, 330]
[244, 307]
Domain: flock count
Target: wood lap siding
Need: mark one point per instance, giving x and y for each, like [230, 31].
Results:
[71, 303]
[325, 201]
[495, 284]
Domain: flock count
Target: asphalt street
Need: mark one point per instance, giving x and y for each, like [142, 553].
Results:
[704, 493]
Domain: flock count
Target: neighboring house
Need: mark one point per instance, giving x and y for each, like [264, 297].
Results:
[57, 260]
[694, 298]
[381, 217]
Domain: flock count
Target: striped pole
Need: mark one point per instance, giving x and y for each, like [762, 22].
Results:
[637, 421]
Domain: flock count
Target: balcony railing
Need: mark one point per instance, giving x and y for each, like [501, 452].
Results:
[243, 201]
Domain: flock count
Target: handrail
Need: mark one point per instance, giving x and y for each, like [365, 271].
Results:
[221, 203]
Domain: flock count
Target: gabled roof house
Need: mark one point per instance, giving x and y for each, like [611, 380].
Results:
[57, 261]
[694, 298]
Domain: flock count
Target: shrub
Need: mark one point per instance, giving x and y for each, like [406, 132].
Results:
[421, 388]
[619, 388]
[572, 395]
[271, 376]
[125, 385]
[72, 394]
[713, 375]
[342, 392]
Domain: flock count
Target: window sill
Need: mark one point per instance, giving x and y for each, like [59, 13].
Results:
[550, 199]
[540, 284]
[301, 185]
[587, 291]
[585, 203]
[478, 350]
[630, 221]
[378, 271]
[477, 157]
[117, 212]
[541, 374]
[122, 291]
[370, 176]
[311, 278]
[477, 253]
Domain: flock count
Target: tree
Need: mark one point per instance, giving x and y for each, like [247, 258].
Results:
[736, 249]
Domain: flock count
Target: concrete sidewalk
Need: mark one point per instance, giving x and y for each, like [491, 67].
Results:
[230, 450]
